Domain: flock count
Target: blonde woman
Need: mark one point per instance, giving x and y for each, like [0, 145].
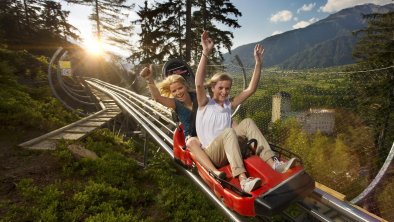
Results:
[173, 92]
[213, 122]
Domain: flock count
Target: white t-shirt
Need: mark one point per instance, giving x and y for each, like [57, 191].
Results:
[212, 120]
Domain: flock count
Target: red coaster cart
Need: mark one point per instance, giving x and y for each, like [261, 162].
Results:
[277, 192]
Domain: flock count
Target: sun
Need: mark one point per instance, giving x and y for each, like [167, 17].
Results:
[94, 46]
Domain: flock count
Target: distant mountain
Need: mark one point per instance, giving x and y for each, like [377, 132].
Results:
[328, 42]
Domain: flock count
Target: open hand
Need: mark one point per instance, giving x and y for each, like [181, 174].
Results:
[206, 42]
[258, 53]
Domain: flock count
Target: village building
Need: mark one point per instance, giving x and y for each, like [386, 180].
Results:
[311, 120]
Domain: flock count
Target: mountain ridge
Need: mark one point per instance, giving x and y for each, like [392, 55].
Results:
[304, 47]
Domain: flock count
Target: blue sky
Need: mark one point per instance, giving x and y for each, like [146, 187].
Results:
[260, 18]
[263, 18]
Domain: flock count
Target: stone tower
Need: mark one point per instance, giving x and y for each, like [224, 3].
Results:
[280, 105]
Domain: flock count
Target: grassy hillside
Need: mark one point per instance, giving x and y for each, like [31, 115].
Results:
[112, 187]
[56, 186]
[27, 103]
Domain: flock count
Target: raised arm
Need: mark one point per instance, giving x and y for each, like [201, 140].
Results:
[207, 45]
[147, 74]
[254, 81]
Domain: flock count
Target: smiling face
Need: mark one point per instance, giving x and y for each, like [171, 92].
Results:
[179, 91]
[221, 91]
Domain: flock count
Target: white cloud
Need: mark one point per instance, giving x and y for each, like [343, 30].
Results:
[276, 33]
[336, 5]
[313, 20]
[303, 24]
[306, 8]
[282, 16]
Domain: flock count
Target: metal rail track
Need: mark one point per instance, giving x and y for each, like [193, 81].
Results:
[78, 129]
[155, 119]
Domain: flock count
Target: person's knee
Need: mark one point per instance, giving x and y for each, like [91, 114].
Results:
[248, 121]
[229, 132]
[193, 142]
[230, 137]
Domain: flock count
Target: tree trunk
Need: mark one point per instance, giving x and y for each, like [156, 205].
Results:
[27, 19]
[188, 30]
[204, 14]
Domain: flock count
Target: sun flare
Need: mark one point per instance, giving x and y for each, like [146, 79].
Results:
[94, 46]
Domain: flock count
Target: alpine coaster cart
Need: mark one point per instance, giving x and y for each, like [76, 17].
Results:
[278, 190]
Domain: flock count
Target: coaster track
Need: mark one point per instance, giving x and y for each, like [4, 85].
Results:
[156, 121]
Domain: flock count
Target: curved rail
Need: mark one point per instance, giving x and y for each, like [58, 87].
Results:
[377, 179]
[68, 96]
[244, 83]
[51, 83]
[143, 101]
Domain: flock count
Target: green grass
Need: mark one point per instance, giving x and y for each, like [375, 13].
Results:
[111, 188]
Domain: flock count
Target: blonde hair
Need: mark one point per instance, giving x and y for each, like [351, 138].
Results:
[215, 79]
[164, 86]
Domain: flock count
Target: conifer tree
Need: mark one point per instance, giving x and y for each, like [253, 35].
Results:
[168, 25]
[345, 165]
[158, 36]
[54, 23]
[34, 25]
[31, 9]
[209, 13]
[374, 91]
[110, 18]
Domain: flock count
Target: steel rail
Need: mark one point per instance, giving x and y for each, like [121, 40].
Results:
[74, 91]
[156, 111]
[126, 106]
[50, 80]
[72, 95]
[344, 207]
[377, 178]
[147, 113]
[244, 84]
[134, 105]
[77, 88]
[314, 213]
[139, 107]
[135, 116]
[60, 52]
[153, 126]
[142, 98]
[144, 101]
